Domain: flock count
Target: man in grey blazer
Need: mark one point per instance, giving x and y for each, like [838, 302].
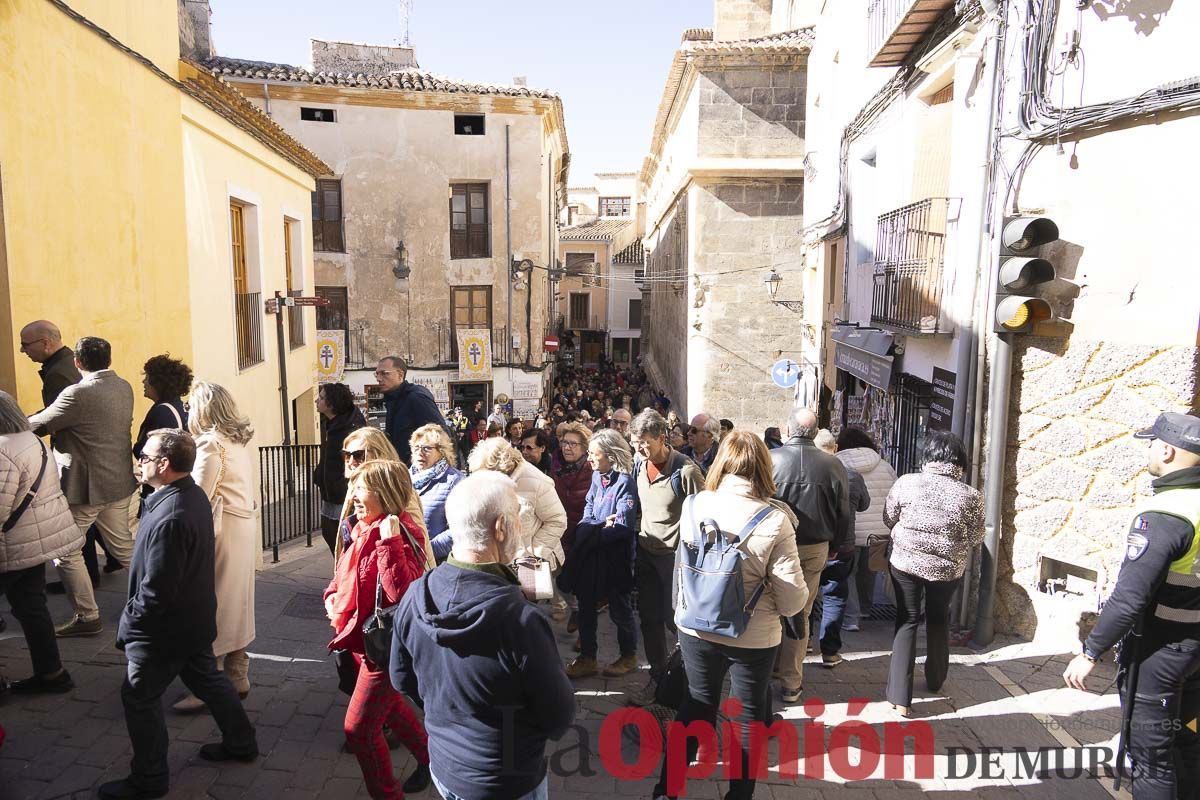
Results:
[90, 422]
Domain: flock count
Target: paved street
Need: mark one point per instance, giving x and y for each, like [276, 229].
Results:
[63, 746]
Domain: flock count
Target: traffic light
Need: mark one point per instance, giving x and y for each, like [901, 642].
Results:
[1021, 271]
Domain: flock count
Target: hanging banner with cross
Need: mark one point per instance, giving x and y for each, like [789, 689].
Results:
[475, 354]
[331, 356]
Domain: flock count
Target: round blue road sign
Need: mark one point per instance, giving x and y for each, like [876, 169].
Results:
[785, 373]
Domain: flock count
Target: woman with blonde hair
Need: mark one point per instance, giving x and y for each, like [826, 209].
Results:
[543, 518]
[388, 549]
[433, 476]
[224, 469]
[738, 497]
[359, 447]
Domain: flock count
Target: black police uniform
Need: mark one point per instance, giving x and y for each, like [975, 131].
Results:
[1163, 745]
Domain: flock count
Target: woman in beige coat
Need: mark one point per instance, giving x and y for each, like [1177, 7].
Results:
[543, 518]
[225, 471]
[739, 486]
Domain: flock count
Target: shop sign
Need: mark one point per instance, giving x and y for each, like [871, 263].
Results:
[941, 403]
[875, 370]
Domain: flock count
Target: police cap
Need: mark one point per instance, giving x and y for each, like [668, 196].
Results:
[1178, 430]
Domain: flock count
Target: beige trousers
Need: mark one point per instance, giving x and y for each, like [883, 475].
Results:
[113, 521]
[793, 651]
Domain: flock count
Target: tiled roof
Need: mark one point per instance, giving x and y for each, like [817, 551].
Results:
[784, 42]
[231, 104]
[596, 230]
[634, 254]
[400, 80]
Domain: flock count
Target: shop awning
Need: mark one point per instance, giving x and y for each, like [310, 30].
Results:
[863, 353]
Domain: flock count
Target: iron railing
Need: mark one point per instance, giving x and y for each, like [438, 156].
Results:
[248, 314]
[356, 349]
[585, 322]
[291, 504]
[909, 253]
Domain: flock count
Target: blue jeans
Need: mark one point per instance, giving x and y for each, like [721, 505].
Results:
[542, 792]
[830, 607]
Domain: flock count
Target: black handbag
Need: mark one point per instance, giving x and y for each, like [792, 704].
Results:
[672, 687]
[377, 630]
[347, 670]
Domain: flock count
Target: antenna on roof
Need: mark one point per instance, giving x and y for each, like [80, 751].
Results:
[405, 16]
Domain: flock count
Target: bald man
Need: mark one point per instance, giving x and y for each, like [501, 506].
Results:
[42, 342]
[815, 486]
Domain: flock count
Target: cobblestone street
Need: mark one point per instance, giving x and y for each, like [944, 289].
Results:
[64, 746]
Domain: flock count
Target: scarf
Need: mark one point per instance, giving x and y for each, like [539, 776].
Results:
[422, 478]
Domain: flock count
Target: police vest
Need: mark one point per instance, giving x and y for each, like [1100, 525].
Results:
[1178, 599]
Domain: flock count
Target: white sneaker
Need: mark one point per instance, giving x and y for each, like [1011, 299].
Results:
[791, 695]
[851, 626]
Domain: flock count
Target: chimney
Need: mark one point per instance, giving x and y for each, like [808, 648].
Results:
[741, 19]
[370, 59]
[195, 30]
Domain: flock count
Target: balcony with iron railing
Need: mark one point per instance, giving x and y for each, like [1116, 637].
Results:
[248, 315]
[585, 322]
[895, 27]
[908, 271]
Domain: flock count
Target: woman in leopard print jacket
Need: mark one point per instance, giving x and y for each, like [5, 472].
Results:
[935, 520]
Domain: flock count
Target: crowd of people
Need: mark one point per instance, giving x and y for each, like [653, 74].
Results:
[459, 545]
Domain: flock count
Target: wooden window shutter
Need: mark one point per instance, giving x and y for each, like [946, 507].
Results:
[478, 225]
[237, 236]
[459, 239]
[327, 216]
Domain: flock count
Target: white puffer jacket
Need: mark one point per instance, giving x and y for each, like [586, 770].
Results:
[879, 476]
[543, 518]
[46, 529]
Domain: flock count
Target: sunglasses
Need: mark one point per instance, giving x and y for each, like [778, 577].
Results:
[354, 455]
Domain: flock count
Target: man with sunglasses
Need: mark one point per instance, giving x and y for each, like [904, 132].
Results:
[408, 405]
[702, 439]
[170, 621]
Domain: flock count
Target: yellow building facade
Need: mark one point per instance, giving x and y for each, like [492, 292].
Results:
[145, 202]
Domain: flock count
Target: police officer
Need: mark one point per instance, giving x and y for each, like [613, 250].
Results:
[1158, 594]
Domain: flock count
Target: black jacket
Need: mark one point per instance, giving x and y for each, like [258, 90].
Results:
[330, 473]
[814, 484]
[1167, 537]
[159, 417]
[172, 607]
[58, 372]
[485, 664]
[409, 406]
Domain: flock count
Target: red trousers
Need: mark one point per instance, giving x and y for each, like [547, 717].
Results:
[373, 704]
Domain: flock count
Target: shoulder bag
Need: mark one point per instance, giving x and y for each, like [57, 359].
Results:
[879, 549]
[26, 501]
[377, 630]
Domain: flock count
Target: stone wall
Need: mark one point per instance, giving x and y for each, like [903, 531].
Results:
[356, 58]
[1073, 471]
[664, 314]
[741, 19]
[743, 229]
[747, 113]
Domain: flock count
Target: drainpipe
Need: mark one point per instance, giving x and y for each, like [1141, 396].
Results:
[508, 239]
[963, 423]
[267, 97]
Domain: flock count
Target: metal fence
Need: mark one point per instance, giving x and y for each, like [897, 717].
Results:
[291, 505]
[910, 247]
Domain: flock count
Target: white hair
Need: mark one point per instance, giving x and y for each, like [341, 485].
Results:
[475, 504]
[824, 440]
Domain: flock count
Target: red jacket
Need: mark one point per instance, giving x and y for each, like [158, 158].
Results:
[366, 559]
[572, 491]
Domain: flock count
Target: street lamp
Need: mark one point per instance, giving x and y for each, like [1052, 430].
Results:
[772, 281]
[402, 269]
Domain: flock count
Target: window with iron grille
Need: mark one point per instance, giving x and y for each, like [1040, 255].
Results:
[470, 308]
[470, 228]
[327, 216]
[614, 206]
[910, 397]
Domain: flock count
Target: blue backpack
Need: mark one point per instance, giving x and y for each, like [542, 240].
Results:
[712, 598]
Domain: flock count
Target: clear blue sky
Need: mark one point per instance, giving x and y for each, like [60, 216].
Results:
[608, 60]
